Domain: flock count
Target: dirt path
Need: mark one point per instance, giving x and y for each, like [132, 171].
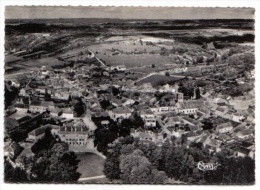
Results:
[90, 178]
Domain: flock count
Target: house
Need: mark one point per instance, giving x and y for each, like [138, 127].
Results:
[118, 68]
[211, 144]
[54, 129]
[115, 102]
[13, 150]
[67, 113]
[173, 131]
[225, 138]
[148, 117]
[192, 122]
[75, 133]
[55, 112]
[191, 136]
[203, 113]
[160, 109]
[36, 106]
[38, 133]
[41, 90]
[123, 112]
[61, 95]
[21, 105]
[221, 111]
[243, 152]
[219, 101]
[190, 106]
[173, 121]
[146, 88]
[237, 117]
[245, 134]
[224, 127]
[146, 137]
[128, 102]
[25, 91]
[167, 88]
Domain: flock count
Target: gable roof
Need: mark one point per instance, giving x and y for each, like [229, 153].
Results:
[224, 125]
[122, 110]
[191, 104]
[39, 131]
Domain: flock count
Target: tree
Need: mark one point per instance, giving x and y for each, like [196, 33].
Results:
[115, 91]
[167, 74]
[136, 168]
[233, 170]
[125, 127]
[173, 162]
[198, 152]
[78, 107]
[200, 59]
[13, 174]
[152, 153]
[136, 119]
[197, 93]
[11, 94]
[52, 161]
[105, 136]
[55, 164]
[44, 143]
[105, 104]
[111, 165]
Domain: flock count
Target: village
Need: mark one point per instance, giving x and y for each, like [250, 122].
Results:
[77, 99]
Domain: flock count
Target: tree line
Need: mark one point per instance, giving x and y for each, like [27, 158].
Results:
[131, 161]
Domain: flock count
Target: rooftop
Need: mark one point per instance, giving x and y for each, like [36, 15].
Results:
[122, 110]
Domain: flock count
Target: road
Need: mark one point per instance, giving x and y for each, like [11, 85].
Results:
[103, 64]
[90, 178]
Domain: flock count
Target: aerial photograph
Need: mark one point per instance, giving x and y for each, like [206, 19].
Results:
[129, 95]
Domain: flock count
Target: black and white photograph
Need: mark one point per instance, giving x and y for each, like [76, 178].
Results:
[129, 95]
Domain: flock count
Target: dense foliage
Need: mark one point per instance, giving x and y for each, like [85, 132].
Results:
[52, 162]
[134, 162]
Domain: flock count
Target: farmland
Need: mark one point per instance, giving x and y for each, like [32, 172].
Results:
[156, 80]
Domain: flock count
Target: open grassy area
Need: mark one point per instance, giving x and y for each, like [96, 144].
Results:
[48, 62]
[135, 60]
[90, 165]
[156, 80]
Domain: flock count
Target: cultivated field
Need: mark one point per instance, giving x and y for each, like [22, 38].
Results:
[158, 79]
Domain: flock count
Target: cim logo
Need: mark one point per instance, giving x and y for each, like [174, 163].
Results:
[207, 166]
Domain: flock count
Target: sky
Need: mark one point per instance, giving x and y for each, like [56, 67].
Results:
[47, 12]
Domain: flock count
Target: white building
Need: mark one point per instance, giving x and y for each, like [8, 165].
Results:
[224, 127]
[41, 106]
[148, 118]
[74, 133]
[37, 133]
[190, 106]
[120, 112]
[118, 68]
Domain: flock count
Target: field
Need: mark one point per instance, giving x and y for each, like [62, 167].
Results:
[90, 165]
[156, 80]
[135, 60]
[130, 51]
